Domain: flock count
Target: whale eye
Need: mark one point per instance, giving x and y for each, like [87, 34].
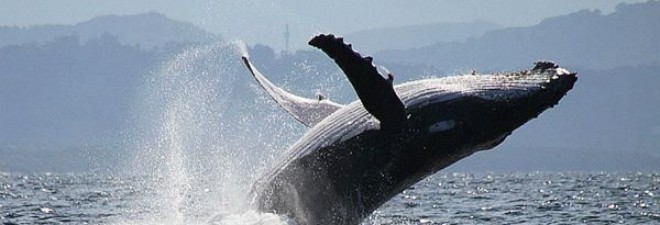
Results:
[441, 126]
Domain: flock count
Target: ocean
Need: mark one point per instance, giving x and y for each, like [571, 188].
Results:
[444, 198]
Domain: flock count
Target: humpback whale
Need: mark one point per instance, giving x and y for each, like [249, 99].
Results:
[357, 156]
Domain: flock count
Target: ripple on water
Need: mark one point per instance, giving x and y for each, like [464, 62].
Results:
[532, 198]
[480, 198]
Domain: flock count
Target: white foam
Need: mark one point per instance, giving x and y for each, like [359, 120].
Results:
[243, 218]
[251, 218]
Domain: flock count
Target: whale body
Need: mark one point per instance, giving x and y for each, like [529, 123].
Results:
[357, 156]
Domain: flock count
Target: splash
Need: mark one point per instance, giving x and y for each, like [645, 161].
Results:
[203, 133]
[251, 218]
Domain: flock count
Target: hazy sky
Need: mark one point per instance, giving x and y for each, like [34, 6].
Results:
[263, 21]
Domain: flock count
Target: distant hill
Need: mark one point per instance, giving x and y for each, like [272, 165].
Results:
[146, 30]
[627, 37]
[63, 91]
[374, 40]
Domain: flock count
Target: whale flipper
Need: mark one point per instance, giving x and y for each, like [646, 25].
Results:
[375, 92]
[307, 111]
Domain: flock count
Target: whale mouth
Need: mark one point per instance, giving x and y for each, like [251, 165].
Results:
[563, 79]
[559, 83]
[558, 76]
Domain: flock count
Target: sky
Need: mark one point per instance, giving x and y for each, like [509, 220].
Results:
[264, 21]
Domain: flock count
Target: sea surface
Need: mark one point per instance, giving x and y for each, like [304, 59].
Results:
[445, 198]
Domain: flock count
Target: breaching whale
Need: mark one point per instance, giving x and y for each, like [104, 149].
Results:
[355, 157]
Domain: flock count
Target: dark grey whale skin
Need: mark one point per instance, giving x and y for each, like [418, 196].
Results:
[352, 162]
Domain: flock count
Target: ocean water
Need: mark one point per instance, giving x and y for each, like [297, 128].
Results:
[445, 198]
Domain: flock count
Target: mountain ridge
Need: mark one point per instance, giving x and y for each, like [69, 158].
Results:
[147, 30]
[405, 37]
[587, 38]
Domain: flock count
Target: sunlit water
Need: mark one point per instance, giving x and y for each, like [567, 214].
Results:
[458, 198]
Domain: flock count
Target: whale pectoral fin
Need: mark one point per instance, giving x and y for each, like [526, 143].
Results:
[376, 92]
[307, 111]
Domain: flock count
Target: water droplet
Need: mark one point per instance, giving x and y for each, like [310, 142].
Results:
[46, 210]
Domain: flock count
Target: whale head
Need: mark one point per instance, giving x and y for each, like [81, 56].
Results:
[460, 115]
